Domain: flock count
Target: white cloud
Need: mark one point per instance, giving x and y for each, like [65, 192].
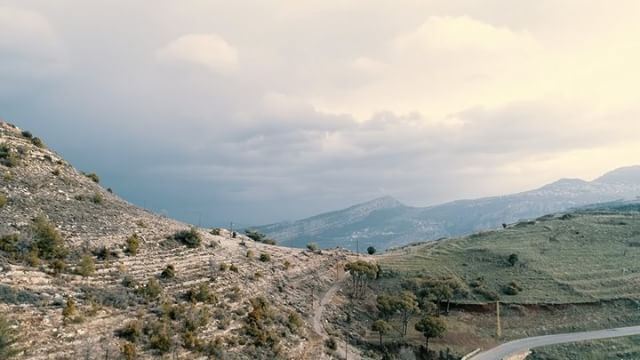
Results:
[208, 50]
[29, 48]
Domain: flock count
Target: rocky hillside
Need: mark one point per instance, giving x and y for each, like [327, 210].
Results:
[84, 274]
[385, 222]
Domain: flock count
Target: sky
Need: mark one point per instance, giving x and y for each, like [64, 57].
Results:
[260, 111]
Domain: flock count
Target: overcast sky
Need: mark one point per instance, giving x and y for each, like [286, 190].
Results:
[259, 111]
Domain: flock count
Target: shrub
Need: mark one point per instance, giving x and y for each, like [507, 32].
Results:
[250, 254]
[215, 231]
[191, 238]
[513, 259]
[97, 198]
[7, 157]
[93, 176]
[132, 244]
[255, 235]
[132, 331]
[69, 309]
[47, 240]
[160, 338]
[270, 242]
[87, 266]
[8, 339]
[312, 246]
[331, 343]
[129, 282]
[371, 250]
[3, 200]
[9, 243]
[169, 272]
[129, 351]
[294, 321]
[287, 264]
[201, 294]
[264, 257]
[27, 134]
[37, 142]
[224, 267]
[151, 290]
[233, 268]
[58, 266]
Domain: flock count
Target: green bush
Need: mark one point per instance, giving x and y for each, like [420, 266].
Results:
[264, 257]
[160, 336]
[8, 158]
[47, 240]
[151, 290]
[69, 310]
[27, 134]
[93, 176]
[312, 246]
[3, 200]
[168, 273]
[233, 268]
[201, 293]
[37, 142]
[132, 331]
[331, 343]
[270, 242]
[97, 198]
[58, 266]
[86, 266]
[255, 235]
[132, 244]
[191, 238]
[8, 339]
[9, 243]
[371, 250]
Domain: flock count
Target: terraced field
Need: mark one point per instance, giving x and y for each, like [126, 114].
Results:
[577, 258]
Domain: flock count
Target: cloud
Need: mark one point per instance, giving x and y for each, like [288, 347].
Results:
[210, 51]
[30, 50]
[321, 104]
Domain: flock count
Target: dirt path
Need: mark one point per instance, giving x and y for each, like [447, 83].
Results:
[518, 346]
[349, 352]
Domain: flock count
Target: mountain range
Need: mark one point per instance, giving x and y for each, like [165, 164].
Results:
[386, 222]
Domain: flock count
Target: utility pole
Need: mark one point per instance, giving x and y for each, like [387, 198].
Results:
[499, 327]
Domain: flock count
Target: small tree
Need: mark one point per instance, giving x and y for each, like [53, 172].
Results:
[8, 339]
[94, 177]
[255, 235]
[264, 257]
[407, 305]
[381, 327]
[86, 267]
[513, 259]
[386, 305]
[47, 239]
[132, 244]
[371, 250]
[430, 327]
[361, 273]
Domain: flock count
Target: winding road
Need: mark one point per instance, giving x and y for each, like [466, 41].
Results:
[522, 345]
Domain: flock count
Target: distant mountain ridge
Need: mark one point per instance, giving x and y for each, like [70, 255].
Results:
[386, 222]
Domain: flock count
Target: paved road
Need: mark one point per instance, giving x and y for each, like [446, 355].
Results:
[522, 345]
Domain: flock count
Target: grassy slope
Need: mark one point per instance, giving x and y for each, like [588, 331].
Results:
[586, 258]
[613, 349]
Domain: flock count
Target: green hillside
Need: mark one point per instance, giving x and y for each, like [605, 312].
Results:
[575, 258]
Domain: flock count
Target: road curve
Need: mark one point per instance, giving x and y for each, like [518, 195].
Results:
[522, 345]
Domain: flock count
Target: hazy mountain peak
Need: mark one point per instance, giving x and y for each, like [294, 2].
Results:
[383, 202]
[624, 175]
